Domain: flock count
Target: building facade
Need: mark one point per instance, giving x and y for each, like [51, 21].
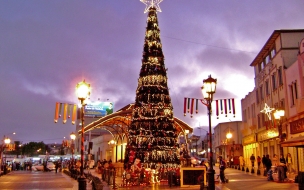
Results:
[228, 141]
[262, 133]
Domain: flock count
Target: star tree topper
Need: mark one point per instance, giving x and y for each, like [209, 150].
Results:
[152, 3]
[267, 110]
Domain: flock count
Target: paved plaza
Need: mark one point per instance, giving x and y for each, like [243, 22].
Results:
[238, 180]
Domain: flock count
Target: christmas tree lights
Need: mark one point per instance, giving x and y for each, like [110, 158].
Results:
[152, 136]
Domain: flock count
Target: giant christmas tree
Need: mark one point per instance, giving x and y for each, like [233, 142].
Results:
[152, 137]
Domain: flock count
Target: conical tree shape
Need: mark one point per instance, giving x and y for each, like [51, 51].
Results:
[152, 137]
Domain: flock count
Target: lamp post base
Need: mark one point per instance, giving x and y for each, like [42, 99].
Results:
[82, 183]
[211, 184]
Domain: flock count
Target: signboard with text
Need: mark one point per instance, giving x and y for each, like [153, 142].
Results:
[98, 109]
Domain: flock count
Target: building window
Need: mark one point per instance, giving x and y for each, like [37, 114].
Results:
[273, 53]
[273, 78]
[267, 87]
[259, 118]
[261, 92]
[282, 103]
[253, 110]
[267, 59]
[293, 93]
[280, 76]
[261, 66]
[292, 96]
[295, 90]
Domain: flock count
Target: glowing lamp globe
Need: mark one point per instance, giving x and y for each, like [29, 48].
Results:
[83, 90]
[229, 135]
[7, 140]
[73, 136]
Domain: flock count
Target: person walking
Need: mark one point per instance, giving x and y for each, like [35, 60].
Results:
[252, 159]
[264, 161]
[56, 166]
[259, 161]
[222, 166]
[268, 163]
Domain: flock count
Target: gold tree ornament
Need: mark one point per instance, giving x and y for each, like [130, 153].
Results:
[152, 3]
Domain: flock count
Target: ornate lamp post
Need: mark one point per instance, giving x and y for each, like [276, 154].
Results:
[83, 90]
[73, 137]
[278, 114]
[208, 89]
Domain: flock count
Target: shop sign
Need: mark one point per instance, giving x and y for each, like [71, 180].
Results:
[268, 134]
[297, 126]
[249, 139]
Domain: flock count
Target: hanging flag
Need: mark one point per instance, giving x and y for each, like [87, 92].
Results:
[217, 109]
[69, 110]
[225, 105]
[60, 107]
[233, 107]
[74, 114]
[56, 112]
[65, 109]
[221, 104]
[196, 106]
[185, 104]
[188, 105]
[191, 110]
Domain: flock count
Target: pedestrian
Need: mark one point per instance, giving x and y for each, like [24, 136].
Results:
[264, 161]
[281, 172]
[275, 160]
[252, 159]
[289, 162]
[282, 159]
[56, 166]
[222, 166]
[268, 163]
[259, 161]
[202, 164]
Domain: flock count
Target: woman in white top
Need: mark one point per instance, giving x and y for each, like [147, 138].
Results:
[289, 162]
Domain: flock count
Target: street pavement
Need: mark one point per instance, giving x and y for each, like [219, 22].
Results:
[238, 180]
[36, 180]
[32, 180]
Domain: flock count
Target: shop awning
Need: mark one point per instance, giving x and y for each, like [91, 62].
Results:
[294, 142]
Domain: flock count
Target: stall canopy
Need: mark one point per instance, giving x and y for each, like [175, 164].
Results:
[294, 142]
[118, 122]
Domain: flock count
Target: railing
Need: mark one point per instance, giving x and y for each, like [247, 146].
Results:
[109, 176]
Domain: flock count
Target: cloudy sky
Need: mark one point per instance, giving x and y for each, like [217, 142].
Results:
[47, 47]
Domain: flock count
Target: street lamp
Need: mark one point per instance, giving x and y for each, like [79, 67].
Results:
[6, 141]
[83, 91]
[278, 114]
[73, 137]
[208, 89]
